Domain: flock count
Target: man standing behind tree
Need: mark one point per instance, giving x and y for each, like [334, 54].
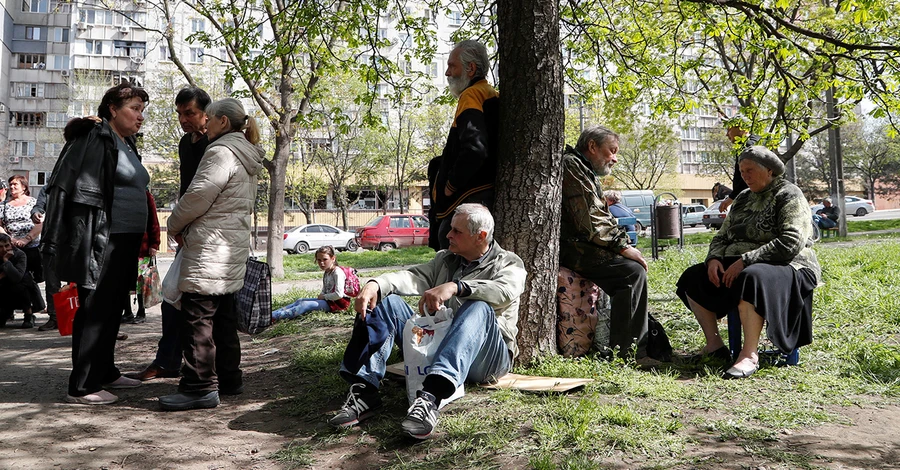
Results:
[190, 103]
[595, 247]
[738, 134]
[468, 164]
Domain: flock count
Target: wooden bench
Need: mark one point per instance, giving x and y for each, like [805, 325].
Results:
[829, 232]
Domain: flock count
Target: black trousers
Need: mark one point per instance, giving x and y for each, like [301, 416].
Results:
[97, 320]
[210, 343]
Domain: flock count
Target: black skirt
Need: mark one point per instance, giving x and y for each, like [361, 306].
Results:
[781, 294]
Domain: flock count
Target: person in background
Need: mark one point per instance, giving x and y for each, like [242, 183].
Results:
[96, 216]
[149, 247]
[211, 223]
[51, 283]
[332, 297]
[190, 104]
[15, 220]
[617, 208]
[15, 281]
[720, 191]
[4, 186]
[739, 135]
[827, 216]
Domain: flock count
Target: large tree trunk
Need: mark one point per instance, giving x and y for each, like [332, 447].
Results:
[531, 142]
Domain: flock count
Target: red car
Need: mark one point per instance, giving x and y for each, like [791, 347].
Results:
[387, 232]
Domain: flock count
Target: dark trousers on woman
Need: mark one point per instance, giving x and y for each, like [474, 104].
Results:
[210, 344]
[97, 320]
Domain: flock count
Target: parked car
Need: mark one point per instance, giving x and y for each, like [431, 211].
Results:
[712, 218]
[387, 232]
[856, 206]
[311, 236]
[639, 201]
[692, 214]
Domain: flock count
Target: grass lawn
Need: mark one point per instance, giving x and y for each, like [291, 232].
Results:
[645, 419]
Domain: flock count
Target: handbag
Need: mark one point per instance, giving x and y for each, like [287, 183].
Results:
[149, 285]
[253, 302]
[66, 303]
[170, 292]
[421, 337]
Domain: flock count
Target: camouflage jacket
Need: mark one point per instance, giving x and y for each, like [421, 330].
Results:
[772, 226]
[585, 217]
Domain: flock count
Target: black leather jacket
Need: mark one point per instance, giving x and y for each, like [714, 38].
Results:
[79, 202]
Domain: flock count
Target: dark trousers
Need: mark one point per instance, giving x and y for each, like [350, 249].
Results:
[97, 320]
[14, 296]
[168, 351]
[625, 281]
[210, 343]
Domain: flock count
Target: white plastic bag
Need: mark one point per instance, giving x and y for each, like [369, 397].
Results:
[421, 338]
[170, 291]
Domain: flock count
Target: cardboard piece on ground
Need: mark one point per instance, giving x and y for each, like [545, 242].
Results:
[528, 383]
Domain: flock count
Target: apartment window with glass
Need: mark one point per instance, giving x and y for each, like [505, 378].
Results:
[35, 6]
[23, 148]
[129, 49]
[60, 62]
[38, 178]
[22, 119]
[57, 120]
[164, 53]
[31, 61]
[27, 90]
[93, 46]
[60, 34]
[60, 6]
[197, 55]
[456, 18]
[198, 25]
[33, 33]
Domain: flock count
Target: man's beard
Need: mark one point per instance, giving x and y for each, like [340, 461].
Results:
[457, 84]
[603, 170]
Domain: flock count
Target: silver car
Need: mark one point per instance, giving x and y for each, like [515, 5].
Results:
[856, 206]
[311, 236]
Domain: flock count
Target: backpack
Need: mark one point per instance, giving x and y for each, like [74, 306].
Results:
[658, 346]
[351, 281]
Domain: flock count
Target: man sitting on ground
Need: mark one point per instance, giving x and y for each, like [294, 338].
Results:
[477, 279]
[15, 281]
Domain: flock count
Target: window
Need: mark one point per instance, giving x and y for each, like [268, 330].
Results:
[27, 90]
[456, 18]
[197, 55]
[382, 33]
[38, 178]
[420, 222]
[400, 222]
[433, 69]
[93, 46]
[129, 49]
[60, 34]
[60, 62]
[164, 53]
[33, 32]
[60, 6]
[56, 120]
[198, 25]
[22, 148]
[21, 119]
[326, 229]
[35, 6]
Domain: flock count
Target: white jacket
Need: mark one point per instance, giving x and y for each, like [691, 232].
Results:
[214, 217]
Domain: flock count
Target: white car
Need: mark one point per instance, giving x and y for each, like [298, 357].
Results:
[712, 218]
[856, 206]
[311, 236]
[692, 214]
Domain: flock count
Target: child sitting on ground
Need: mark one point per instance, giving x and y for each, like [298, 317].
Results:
[331, 299]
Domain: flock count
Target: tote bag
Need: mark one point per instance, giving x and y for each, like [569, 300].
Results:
[253, 302]
[66, 303]
[149, 285]
[421, 337]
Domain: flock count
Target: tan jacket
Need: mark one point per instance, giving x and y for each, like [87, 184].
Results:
[214, 217]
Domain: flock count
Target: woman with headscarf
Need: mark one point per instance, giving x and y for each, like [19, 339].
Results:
[760, 262]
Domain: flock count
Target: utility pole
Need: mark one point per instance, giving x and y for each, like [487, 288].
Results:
[837, 162]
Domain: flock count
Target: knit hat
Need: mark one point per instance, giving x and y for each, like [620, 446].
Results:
[764, 157]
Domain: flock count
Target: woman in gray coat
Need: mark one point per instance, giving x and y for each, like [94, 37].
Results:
[212, 224]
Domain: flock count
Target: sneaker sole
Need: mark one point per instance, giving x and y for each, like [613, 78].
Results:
[83, 401]
[120, 387]
[420, 437]
[356, 421]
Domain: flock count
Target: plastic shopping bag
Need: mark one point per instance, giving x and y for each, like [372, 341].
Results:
[66, 303]
[421, 337]
[170, 291]
[149, 285]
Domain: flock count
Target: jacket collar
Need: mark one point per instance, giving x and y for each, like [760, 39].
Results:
[587, 163]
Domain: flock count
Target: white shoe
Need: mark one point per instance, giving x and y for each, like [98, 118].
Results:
[123, 382]
[100, 398]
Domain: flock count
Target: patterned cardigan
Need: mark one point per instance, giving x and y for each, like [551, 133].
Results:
[772, 226]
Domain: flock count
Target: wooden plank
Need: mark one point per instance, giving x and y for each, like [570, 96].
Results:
[520, 382]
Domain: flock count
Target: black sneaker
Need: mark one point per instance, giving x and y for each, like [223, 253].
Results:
[422, 416]
[358, 407]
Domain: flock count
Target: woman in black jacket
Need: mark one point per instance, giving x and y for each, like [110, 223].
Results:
[96, 217]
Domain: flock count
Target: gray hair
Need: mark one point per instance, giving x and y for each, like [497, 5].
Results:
[827, 199]
[475, 52]
[237, 117]
[598, 134]
[478, 219]
[612, 195]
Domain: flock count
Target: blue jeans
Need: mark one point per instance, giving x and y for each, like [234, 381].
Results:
[473, 350]
[824, 222]
[300, 307]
